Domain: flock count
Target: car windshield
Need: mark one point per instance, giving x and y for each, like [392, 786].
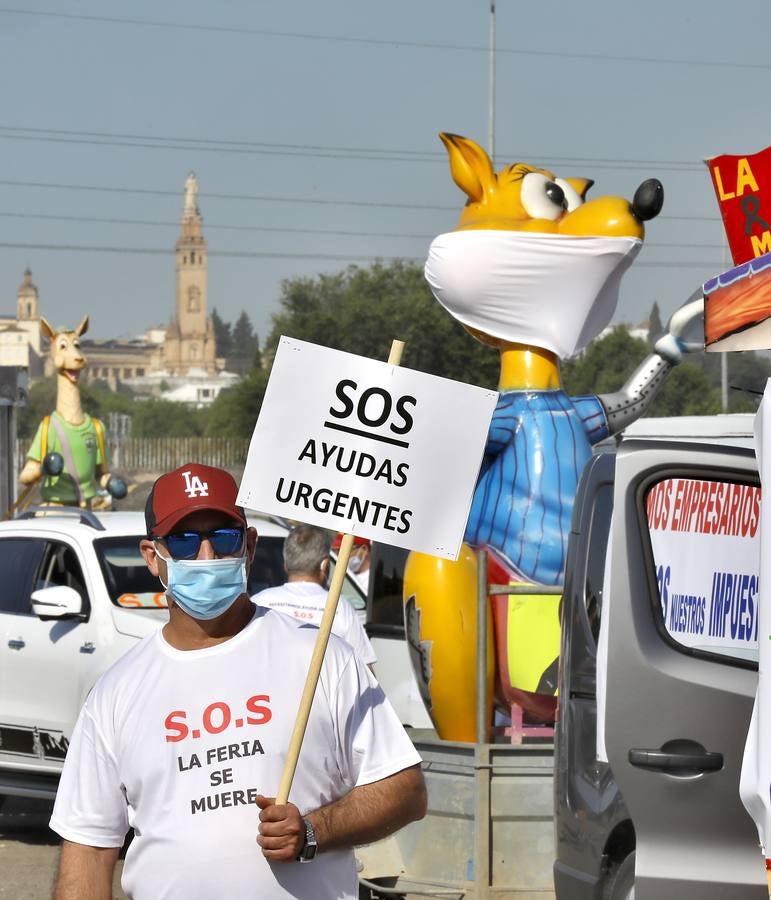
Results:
[129, 583]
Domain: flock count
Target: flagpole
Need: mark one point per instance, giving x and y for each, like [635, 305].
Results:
[724, 356]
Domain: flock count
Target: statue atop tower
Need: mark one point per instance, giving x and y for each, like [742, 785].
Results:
[191, 195]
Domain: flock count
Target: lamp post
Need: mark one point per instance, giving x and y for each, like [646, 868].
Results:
[491, 98]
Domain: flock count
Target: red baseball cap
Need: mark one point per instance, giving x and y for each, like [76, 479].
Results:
[357, 541]
[188, 489]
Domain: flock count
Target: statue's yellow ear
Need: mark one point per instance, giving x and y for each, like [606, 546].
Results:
[470, 166]
[83, 327]
[581, 185]
[46, 330]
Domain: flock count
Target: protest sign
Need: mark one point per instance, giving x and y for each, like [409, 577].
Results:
[365, 447]
[360, 446]
[743, 188]
[737, 304]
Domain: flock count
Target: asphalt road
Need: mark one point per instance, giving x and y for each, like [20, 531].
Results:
[29, 851]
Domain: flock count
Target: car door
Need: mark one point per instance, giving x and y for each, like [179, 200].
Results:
[589, 811]
[682, 666]
[42, 661]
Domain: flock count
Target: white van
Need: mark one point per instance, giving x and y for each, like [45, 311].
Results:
[661, 818]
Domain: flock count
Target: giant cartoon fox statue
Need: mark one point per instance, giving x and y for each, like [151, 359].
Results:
[532, 270]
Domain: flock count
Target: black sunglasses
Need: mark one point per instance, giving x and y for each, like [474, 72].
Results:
[186, 544]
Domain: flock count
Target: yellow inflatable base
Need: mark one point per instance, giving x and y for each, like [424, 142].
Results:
[444, 597]
[523, 637]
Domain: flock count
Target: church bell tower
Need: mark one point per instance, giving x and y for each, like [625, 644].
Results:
[190, 340]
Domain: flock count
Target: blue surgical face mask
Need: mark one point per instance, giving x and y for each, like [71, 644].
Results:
[205, 588]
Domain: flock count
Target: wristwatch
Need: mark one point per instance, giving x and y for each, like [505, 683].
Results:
[309, 847]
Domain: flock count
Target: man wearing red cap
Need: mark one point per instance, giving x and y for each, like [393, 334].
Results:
[358, 561]
[184, 738]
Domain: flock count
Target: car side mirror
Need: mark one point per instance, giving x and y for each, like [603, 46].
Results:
[57, 602]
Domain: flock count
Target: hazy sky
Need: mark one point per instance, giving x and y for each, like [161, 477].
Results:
[313, 126]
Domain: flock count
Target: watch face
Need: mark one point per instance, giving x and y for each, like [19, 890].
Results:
[308, 851]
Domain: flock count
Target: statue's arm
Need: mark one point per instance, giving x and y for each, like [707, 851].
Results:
[33, 468]
[31, 472]
[634, 398]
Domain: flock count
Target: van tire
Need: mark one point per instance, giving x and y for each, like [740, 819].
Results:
[622, 884]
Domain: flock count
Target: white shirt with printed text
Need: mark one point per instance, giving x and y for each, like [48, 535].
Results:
[305, 600]
[177, 744]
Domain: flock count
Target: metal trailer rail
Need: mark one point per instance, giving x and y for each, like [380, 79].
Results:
[488, 833]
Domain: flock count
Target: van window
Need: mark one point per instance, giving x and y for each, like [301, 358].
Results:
[705, 540]
[60, 566]
[387, 580]
[19, 560]
[599, 536]
[126, 576]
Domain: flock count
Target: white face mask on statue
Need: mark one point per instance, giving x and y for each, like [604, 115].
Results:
[547, 290]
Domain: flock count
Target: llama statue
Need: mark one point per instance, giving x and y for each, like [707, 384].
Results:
[69, 451]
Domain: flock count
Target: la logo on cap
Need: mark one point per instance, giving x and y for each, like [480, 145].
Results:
[194, 487]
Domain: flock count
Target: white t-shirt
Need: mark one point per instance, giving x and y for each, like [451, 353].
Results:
[177, 743]
[305, 600]
[361, 579]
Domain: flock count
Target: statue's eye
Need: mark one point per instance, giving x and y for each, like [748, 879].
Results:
[572, 197]
[62, 345]
[541, 197]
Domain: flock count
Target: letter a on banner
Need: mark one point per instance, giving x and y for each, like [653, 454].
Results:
[743, 189]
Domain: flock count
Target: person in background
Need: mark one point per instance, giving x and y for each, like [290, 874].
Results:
[358, 561]
[304, 596]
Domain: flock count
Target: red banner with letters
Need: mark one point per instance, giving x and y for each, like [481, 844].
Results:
[743, 188]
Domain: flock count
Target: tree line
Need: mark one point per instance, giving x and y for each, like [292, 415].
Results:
[360, 310]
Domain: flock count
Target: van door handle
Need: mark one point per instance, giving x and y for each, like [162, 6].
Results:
[17, 645]
[678, 762]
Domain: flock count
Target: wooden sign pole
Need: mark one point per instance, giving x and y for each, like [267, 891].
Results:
[325, 629]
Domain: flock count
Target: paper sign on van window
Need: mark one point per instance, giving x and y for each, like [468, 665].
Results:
[706, 547]
[360, 446]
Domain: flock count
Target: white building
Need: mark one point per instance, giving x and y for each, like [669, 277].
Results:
[20, 342]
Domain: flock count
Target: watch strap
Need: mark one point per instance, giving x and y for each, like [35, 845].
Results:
[309, 847]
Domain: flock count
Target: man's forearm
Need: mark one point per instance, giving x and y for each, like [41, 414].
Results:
[85, 873]
[372, 811]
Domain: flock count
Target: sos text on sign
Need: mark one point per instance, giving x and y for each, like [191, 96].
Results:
[363, 415]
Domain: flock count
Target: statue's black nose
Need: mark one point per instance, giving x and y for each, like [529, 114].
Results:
[648, 199]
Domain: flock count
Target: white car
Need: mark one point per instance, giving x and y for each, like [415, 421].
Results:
[75, 594]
